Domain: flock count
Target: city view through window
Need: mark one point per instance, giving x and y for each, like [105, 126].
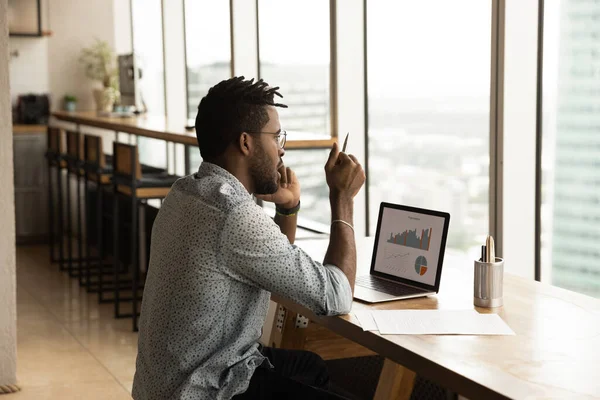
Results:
[428, 66]
[428, 105]
[428, 112]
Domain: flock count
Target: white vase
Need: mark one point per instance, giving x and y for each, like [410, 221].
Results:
[104, 99]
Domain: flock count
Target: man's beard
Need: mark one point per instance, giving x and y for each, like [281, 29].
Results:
[261, 172]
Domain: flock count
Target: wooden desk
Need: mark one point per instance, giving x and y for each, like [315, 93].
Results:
[554, 354]
[159, 127]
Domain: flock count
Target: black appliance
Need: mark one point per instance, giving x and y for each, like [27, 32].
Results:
[33, 109]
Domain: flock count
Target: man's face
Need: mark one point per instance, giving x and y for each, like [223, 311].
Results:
[267, 156]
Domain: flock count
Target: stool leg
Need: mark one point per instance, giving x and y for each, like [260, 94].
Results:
[69, 223]
[134, 259]
[61, 245]
[51, 237]
[82, 262]
[86, 212]
[100, 241]
[116, 250]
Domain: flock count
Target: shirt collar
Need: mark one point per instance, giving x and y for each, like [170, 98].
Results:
[209, 169]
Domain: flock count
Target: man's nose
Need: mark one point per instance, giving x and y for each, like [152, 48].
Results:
[281, 152]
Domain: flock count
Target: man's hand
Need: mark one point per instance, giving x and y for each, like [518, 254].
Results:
[288, 194]
[345, 176]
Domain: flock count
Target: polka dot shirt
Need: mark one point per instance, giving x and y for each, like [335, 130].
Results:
[215, 259]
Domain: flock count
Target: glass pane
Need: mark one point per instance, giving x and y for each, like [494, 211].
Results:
[428, 97]
[297, 60]
[148, 46]
[308, 166]
[152, 152]
[194, 158]
[571, 146]
[208, 48]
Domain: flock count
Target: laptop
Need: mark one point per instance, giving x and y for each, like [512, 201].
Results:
[408, 254]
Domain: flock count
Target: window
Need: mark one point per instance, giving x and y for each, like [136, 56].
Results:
[146, 16]
[146, 19]
[208, 55]
[297, 60]
[296, 57]
[309, 168]
[428, 76]
[208, 48]
[570, 210]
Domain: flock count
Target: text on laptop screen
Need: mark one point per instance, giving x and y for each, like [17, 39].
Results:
[409, 245]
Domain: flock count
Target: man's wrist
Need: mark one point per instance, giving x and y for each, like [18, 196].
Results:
[342, 207]
[288, 209]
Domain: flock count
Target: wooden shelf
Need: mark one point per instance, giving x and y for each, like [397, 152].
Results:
[20, 129]
[31, 35]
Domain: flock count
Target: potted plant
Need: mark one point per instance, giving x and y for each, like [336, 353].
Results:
[99, 61]
[70, 102]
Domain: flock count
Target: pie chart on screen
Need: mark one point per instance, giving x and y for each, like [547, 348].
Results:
[421, 265]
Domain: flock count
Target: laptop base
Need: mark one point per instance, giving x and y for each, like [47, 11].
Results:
[373, 296]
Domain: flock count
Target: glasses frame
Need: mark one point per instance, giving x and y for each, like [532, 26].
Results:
[282, 135]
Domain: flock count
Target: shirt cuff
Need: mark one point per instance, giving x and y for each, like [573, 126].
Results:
[338, 295]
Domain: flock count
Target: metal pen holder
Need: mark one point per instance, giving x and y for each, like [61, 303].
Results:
[487, 286]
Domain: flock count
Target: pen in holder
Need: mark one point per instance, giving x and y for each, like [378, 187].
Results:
[487, 287]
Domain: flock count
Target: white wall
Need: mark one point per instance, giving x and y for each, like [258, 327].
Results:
[29, 70]
[8, 312]
[51, 64]
[75, 24]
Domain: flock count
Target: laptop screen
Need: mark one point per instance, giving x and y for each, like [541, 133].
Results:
[410, 243]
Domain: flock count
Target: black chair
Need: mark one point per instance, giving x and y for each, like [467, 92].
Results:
[130, 183]
[74, 159]
[98, 175]
[98, 171]
[56, 164]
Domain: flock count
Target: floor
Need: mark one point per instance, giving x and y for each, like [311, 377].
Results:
[69, 346]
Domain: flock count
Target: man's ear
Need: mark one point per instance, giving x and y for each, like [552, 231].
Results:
[245, 143]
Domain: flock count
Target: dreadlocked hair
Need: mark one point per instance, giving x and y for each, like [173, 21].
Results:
[229, 108]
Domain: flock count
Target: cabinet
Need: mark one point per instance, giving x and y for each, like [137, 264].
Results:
[24, 18]
[31, 183]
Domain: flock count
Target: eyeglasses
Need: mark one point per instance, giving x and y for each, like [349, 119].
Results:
[281, 136]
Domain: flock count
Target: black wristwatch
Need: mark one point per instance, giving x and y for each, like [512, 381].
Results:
[287, 211]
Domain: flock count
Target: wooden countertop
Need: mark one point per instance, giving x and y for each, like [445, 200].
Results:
[159, 127]
[552, 355]
[22, 129]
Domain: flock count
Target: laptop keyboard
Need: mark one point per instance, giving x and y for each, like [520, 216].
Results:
[391, 288]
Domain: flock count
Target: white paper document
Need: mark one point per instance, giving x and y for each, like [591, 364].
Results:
[366, 320]
[439, 322]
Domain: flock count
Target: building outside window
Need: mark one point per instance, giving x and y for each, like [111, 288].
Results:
[570, 213]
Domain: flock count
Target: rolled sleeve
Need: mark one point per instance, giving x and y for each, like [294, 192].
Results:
[257, 253]
[339, 292]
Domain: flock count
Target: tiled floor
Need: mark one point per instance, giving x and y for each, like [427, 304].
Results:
[69, 346]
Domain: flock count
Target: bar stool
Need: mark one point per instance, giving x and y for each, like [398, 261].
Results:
[98, 169]
[74, 158]
[128, 181]
[55, 163]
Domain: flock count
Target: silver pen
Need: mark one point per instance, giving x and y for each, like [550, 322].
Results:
[345, 142]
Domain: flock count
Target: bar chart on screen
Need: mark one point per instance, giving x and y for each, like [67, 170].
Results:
[410, 238]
